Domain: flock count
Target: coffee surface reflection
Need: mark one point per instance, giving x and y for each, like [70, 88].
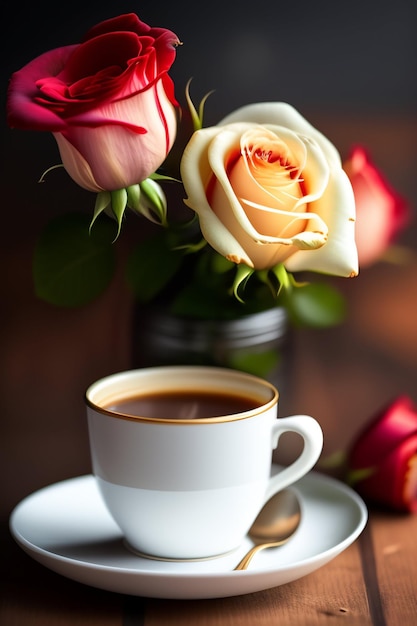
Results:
[192, 405]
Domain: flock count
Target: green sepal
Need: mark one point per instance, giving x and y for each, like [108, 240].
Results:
[118, 205]
[192, 248]
[53, 167]
[71, 266]
[285, 280]
[269, 279]
[155, 176]
[133, 197]
[103, 201]
[157, 205]
[196, 116]
[243, 273]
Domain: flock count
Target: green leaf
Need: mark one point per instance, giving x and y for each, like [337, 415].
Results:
[356, 476]
[72, 267]
[151, 266]
[258, 363]
[195, 300]
[314, 304]
[336, 460]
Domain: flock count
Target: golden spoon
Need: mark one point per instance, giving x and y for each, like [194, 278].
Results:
[276, 523]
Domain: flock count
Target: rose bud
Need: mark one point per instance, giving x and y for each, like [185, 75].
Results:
[108, 101]
[382, 462]
[381, 213]
[269, 189]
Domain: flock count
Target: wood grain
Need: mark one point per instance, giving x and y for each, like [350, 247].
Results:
[341, 376]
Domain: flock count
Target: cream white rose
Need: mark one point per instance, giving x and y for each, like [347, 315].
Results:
[269, 188]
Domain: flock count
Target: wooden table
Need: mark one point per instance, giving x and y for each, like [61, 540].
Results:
[341, 376]
[373, 582]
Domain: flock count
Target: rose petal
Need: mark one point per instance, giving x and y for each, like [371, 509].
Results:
[196, 168]
[327, 191]
[387, 446]
[381, 212]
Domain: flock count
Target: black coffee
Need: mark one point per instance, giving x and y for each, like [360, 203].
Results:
[184, 405]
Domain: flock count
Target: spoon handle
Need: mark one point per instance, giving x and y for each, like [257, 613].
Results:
[243, 564]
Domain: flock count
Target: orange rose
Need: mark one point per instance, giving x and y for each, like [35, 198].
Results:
[269, 188]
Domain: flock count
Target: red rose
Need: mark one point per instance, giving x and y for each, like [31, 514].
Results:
[382, 462]
[381, 212]
[108, 101]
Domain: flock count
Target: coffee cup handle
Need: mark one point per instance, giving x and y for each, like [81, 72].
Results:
[311, 432]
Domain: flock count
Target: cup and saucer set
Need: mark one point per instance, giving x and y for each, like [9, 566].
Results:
[181, 460]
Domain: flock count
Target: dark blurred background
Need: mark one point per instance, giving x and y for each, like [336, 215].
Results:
[346, 56]
[349, 67]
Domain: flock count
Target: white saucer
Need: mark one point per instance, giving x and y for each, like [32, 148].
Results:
[67, 528]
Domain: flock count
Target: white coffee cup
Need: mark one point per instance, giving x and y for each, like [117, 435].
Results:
[190, 488]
